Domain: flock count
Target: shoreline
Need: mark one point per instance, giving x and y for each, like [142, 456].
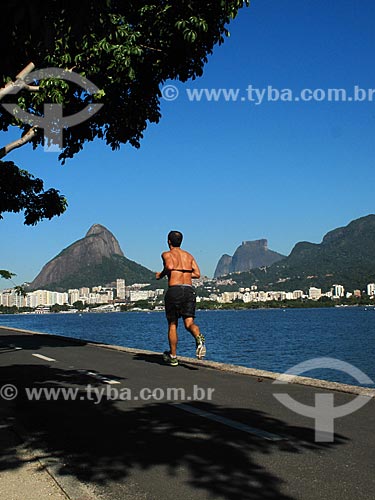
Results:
[229, 368]
[218, 309]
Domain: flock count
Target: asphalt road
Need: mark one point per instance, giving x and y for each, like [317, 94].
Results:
[240, 444]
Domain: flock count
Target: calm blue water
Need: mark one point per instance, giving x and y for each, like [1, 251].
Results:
[273, 340]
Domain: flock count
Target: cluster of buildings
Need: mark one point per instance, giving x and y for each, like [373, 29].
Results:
[122, 294]
[88, 296]
[253, 295]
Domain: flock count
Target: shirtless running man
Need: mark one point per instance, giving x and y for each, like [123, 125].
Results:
[180, 298]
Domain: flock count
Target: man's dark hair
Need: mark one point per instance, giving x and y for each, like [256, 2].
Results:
[175, 237]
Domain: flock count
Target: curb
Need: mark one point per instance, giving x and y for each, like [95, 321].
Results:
[228, 368]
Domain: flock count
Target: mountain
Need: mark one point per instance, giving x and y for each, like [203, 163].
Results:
[249, 255]
[224, 266]
[345, 256]
[96, 259]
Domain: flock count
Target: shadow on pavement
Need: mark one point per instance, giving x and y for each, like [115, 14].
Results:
[35, 342]
[115, 442]
[157, 358]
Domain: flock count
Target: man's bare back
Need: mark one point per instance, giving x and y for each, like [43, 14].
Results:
[181, 267]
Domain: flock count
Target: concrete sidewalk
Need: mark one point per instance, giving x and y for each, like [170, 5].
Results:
[240, 444]
[29, 479]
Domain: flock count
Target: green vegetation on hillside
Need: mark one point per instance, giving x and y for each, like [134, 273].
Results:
[345, 256]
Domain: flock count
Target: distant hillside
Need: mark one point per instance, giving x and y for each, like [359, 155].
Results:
[96, 259]
[346, 256]
[249, 255]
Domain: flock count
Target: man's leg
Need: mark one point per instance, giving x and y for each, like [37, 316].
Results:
[172, 337]
[199, 338]
[192, 327]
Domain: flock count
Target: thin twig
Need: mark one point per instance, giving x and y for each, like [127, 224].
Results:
[150, 48]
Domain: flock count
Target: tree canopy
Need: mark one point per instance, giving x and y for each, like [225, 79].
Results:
[128, 49]
[21, 191]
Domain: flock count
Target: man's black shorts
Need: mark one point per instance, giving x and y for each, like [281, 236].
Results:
[179, 302]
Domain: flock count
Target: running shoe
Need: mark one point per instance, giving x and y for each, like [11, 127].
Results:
[201, 348]
[169, 360]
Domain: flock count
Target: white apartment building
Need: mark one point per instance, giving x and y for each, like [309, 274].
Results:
[371, 289]
[5, 298]
[315, 293]
[84, 292]
[10, 298]
[338, 291]
[48, 298]
[121, 289]
[249, 297]
[228, 297]
[73, 294]
[136, 295]
[33, 299]
[261, 296]
[98, 298]
[278, 295]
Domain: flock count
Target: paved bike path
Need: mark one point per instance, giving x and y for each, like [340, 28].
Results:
[240, 444]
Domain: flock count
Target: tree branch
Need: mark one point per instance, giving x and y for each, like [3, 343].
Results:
[19, 142]
[28, 69]
[19, 83]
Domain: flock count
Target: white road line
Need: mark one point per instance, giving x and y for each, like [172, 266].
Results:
[230, 423]
[102, 378]
[43, 357]
[10, 347]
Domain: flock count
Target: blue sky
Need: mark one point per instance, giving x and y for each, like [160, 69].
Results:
[223, 172]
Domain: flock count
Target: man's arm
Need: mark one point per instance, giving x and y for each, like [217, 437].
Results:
[167, 266]
[196, 271]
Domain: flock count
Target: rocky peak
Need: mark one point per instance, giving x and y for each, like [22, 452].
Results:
[98, 244]
[249, 255]
[105, 240]
[96, 229]
[263, 243]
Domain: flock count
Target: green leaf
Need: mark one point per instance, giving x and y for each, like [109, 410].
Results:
[6, 274]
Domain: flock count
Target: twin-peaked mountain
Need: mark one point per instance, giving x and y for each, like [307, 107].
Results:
[249, 255]
[96, 259]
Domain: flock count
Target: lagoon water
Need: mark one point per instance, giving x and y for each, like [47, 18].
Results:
[273, 340]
